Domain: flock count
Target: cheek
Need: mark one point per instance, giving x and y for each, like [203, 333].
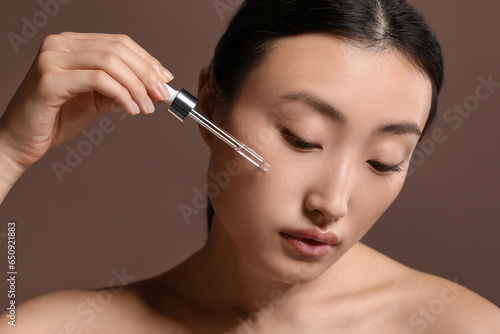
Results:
[255, 205]
[251, 195]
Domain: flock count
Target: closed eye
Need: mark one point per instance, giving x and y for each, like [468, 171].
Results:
[297, 142]
[380, 167]
[306, 146]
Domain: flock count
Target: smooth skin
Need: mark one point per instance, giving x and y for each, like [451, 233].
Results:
[325, 174]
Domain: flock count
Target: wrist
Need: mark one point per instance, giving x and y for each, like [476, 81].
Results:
[10, 170]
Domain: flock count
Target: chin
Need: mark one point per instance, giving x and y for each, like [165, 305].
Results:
[292, 271]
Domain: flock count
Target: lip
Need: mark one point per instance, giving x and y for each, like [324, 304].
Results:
[310, 242]
[329, 238]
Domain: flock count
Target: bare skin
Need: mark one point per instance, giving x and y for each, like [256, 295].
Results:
[246, 279]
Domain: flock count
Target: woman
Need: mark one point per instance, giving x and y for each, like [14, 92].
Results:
[335, 95]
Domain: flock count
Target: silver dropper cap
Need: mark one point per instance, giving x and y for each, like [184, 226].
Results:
[182, 104]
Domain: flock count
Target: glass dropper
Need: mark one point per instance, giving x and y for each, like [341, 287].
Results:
[182, 104]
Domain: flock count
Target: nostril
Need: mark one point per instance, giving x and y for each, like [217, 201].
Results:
[325, 209]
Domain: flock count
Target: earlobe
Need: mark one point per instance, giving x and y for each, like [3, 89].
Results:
[207, 104]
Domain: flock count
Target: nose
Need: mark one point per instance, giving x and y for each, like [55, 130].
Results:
[328, 197]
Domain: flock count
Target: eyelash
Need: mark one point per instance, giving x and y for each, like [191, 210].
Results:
[305, 146]
[384, 168]
[297, 142]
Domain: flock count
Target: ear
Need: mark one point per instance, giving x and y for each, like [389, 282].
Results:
[207, 104]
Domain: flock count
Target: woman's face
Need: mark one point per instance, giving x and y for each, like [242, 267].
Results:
[313, 109]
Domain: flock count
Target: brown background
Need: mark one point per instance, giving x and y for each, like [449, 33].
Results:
[119, 207]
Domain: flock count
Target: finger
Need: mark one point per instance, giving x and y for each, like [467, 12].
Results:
[144, 72]
[83, 81]
[112, 65]
[130, 43]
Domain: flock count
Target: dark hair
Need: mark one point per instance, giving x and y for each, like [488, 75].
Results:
[376, 24]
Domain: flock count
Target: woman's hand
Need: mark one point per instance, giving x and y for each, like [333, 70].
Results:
[74, 79]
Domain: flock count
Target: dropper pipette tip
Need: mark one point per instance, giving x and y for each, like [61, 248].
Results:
[265, 166]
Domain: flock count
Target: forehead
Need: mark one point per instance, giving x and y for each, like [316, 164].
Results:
[380, 84]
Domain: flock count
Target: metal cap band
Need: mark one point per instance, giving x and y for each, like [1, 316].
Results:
[182, 105]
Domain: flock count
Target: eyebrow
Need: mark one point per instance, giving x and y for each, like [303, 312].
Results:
[398, 129]
[328, 110]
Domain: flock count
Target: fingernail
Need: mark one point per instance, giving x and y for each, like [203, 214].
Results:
[163, 90]
[166, 73]
[150, 106]
[135, 107]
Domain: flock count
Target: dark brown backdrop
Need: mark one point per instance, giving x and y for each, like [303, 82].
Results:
[118, 209]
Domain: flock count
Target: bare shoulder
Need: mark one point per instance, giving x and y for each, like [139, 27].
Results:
[74, 311]
[48, 312]
[443, 306]
[428, 303]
